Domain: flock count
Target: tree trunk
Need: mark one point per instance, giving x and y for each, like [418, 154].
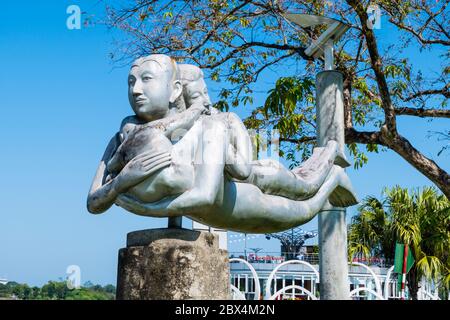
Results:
[426, 166]
[397, 143]
[388, 135]
[413, 284]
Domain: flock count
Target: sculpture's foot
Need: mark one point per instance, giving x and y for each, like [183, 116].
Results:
[343, 195]
[191, 200]
[331, 149]
[341, 160]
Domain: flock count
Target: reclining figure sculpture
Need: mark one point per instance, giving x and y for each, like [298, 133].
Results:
[178, 156]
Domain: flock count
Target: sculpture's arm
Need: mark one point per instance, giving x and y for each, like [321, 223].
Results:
[154, 209]
[183, 120]
[102, 196]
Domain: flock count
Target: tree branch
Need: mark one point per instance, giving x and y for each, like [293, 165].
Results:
[299, 50]
[432, 113]
[426, 166]
[364, 137]
[297, 141]
[377, 65]
[419, 37]
[213, 30]
[403, 147]
[445, 91]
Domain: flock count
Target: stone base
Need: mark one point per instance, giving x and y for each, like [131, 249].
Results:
[172, 264]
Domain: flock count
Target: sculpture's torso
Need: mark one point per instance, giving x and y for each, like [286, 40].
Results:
[169, 181]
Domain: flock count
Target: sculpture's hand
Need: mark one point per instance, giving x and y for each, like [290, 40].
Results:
[154, 209]
[201, 108]
[139, 168]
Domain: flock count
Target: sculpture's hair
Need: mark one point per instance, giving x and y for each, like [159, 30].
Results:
[188, 73]
[163, 60]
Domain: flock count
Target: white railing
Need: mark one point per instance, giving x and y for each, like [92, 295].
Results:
[255, 277]
[379, 293]
[283, 290]
[426, 292]
[274, 271]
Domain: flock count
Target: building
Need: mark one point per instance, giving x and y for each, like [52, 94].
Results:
[303, 274]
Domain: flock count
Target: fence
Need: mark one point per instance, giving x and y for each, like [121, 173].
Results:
[277, 278]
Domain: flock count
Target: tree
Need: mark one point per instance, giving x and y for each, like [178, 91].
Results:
[22, 291]
[35, 293]
[4, 291]
[110, 289]
[369, 233]
[443, 136]
[48, 291]
[419, 219]
[88, 294]
[236, 41]
[57, 290]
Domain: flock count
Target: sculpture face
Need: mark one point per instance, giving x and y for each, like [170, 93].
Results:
[150, 89]
[197, 92]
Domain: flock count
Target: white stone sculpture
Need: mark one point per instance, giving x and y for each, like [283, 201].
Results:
[179, 156]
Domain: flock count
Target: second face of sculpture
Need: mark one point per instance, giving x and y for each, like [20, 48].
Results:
[197, 92]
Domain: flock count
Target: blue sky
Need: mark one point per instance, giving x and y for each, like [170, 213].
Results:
[61, 100]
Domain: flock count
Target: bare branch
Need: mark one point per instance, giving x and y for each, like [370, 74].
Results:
[419, 37]
[213, 30]
[364, 137]
[377, 65]
[432, 113]
[299, 50]
[445, 91]
[299, 140]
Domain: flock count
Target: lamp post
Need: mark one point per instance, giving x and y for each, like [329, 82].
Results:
[334, 284]
[245, 246]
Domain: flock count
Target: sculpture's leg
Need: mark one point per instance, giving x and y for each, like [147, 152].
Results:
[209, 166]
[273, 178]
[246, 209]
[239, 147]
[334, 283]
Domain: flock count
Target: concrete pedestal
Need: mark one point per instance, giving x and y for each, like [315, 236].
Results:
[172, 264]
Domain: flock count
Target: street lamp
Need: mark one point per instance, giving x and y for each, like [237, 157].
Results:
[330, 126]
[324, 45]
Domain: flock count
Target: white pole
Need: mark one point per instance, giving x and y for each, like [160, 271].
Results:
[334, 283]
[329, 55]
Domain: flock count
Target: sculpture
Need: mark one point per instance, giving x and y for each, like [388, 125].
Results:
[177, 156]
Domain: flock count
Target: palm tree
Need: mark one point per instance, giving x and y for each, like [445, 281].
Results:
[369, 234]
[419, 219]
